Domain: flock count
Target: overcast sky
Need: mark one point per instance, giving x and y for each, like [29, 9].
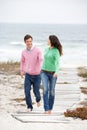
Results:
[43, 11]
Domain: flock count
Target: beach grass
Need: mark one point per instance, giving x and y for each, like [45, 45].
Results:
[80, 112]
[82, 72]
[9, 67]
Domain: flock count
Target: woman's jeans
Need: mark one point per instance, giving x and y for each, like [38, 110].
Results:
[48, 82]
[34, 80]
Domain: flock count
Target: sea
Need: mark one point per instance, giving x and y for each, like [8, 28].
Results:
[73, 38]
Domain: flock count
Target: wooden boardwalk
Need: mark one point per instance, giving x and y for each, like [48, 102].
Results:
[67, 95]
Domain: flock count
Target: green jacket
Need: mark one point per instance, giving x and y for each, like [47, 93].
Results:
[51, 60]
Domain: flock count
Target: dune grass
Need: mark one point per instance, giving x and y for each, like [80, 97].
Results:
[82, 72]
[9, 67]
[77, 113]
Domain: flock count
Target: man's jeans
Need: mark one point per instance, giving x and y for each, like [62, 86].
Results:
[48, 82]
[34, 80]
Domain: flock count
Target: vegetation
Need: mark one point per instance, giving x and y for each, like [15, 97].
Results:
[82, 71]
[80, 112]
[77, 113]
[10, 67]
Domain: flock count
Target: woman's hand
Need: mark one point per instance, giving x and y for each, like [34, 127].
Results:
[55, 75]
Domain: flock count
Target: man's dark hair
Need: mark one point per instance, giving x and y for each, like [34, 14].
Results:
[28, 37]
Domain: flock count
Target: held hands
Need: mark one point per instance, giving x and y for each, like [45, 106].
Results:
[55, 75]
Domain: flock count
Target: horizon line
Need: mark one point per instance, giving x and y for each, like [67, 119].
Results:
[42, 23]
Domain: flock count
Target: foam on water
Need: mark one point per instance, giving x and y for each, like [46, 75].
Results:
[72, 37]
[17, 43]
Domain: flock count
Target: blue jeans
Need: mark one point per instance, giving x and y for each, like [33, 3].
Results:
[34, 80]
[48, 82]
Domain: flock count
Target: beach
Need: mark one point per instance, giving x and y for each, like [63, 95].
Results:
[71, 87]
[12, 97]
[12, 84]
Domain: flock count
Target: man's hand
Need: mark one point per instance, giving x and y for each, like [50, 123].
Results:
[22, 74]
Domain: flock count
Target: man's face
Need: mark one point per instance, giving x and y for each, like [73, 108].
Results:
[28, 43]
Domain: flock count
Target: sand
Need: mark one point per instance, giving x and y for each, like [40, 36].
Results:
[12, 99]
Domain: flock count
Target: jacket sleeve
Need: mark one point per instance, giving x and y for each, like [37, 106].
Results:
[57, 61]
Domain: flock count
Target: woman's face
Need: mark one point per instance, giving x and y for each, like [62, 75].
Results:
[49, 42]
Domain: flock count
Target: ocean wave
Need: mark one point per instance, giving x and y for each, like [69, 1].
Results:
[17, 43]
[22, 43]
[74, 41]
[38, 43]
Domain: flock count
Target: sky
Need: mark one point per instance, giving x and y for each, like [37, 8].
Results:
[44, 11]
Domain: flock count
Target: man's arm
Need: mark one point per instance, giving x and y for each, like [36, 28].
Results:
[22, 65]
[40, 57]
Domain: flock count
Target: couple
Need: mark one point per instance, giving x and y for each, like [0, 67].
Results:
[36, 69]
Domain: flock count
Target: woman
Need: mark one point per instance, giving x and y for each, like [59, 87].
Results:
[50, 69]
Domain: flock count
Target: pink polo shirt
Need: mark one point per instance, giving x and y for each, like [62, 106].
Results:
[31, 61]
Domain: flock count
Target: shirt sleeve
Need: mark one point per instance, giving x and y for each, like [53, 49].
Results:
[40, 58]
[57, 61]
[22, 62]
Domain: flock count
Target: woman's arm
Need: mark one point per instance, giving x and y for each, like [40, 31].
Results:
[57, 63]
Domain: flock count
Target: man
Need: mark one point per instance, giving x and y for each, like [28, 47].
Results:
[30, 65]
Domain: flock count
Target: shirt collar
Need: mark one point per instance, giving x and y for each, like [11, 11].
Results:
[31, 48]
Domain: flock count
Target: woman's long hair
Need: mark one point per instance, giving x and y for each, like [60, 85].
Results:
[56, 43]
